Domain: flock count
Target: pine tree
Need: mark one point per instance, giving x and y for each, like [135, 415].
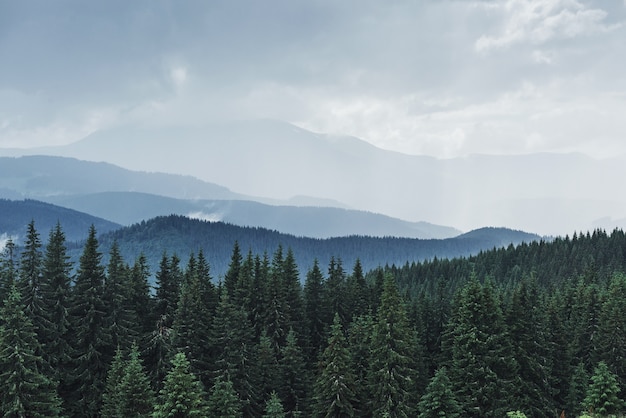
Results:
[140, 301]
[358, 291]
[232, 274]
[136, 398]
[274, 407]
[267, 373]
[482, 365]
[290, 284]
[334, 293]
[314, 319]
[182, 394]
[92, 341]
[25, 391]
[223, 401]
[112, 393]
[335, 386]
[294, 379]
[8, 270]
[439, 400]
[55, 290]
[393, 368]
[232, 335]
[30, 281]
[360, 342]
[119, 317]
[602, 396]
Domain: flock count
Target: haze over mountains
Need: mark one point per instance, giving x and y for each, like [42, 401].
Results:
[542, 193]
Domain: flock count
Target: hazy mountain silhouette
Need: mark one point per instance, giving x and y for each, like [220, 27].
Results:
[546, 193]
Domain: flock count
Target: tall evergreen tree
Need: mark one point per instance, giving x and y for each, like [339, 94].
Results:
[24, 390]
[56, 295]
[92, 349]
[314, 315]
[294, 378]
[232, 274]
[136, 397]
[602, 396]
[358, 291]
[393, 376]
[112, 392]
[335, 387]
[182, 394]
[8, 269]
[274, 407]
[482, 365]
[140, 301]
[223, 401]
[360, 342]
[119, 318]
[439, 400]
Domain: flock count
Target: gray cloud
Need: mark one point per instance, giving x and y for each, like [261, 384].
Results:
[439, 77]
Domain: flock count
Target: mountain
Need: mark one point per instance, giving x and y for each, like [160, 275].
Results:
[315, 222]
[547, 193]
[16, 215]
[126, 197]
[182, 236]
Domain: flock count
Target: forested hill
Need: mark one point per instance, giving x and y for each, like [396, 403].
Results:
[182, 236]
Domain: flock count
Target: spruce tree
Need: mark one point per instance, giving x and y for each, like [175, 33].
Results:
[314, 319]
[439, 400]
[8, 269]
[274, 407]
[294, 378]
[223, 401]
[360, 342]
[393, 376]
[136, 398]
[92, 348]
[335, 386]
[602, 396]
[119, 318]
[24, 390]
[482, 367]
[112, 393]
[56, 294]
[182, 394]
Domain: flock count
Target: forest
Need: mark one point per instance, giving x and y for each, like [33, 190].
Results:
[536, 330]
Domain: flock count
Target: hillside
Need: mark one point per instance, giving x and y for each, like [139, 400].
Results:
[15, 215]
[182, 236]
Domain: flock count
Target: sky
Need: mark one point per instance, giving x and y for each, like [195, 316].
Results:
[443, 78]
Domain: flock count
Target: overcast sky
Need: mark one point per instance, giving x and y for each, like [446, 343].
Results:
[437, 77]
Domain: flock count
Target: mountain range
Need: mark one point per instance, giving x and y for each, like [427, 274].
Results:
[125, 197]
[551, 194]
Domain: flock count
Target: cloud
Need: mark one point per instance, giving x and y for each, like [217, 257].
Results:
[539, 21]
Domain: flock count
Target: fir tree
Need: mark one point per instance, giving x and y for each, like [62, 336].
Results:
[393, 368]
[335, 386]
[182, 395]
[223, 401]
[112, 393]
[439, 400]
[360, 342]
[26, 392]
[314, 319]
[55, 290]
[136, 398]
[119, 317]
[274, 407]
[602, 396]
[294, 379]
[92, 344]
[8, 269]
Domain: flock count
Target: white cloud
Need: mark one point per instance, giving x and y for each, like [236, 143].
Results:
[202, 216]
[539, 21]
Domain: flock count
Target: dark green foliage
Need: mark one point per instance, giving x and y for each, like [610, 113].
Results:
[274, 407]
[294, 380]
[315, 325]
[26, 392]
[360, 340]
[8, 270]
[112, 390]
[482, 366]
[92, 344]
[136, 398]
[335, 386]
[393, 375]
[182, 394]
[120, 319]
[439, 400]
[602, 396]
[223, 401]
[56, 296]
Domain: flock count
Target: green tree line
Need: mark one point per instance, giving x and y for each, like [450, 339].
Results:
[536, 330]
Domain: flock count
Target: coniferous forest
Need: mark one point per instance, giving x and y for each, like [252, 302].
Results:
[536, 330]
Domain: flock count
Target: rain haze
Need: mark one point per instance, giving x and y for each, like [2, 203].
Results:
[443, 79]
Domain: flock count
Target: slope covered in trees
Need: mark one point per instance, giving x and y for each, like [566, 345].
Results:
[182, 236]
[536, 329]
